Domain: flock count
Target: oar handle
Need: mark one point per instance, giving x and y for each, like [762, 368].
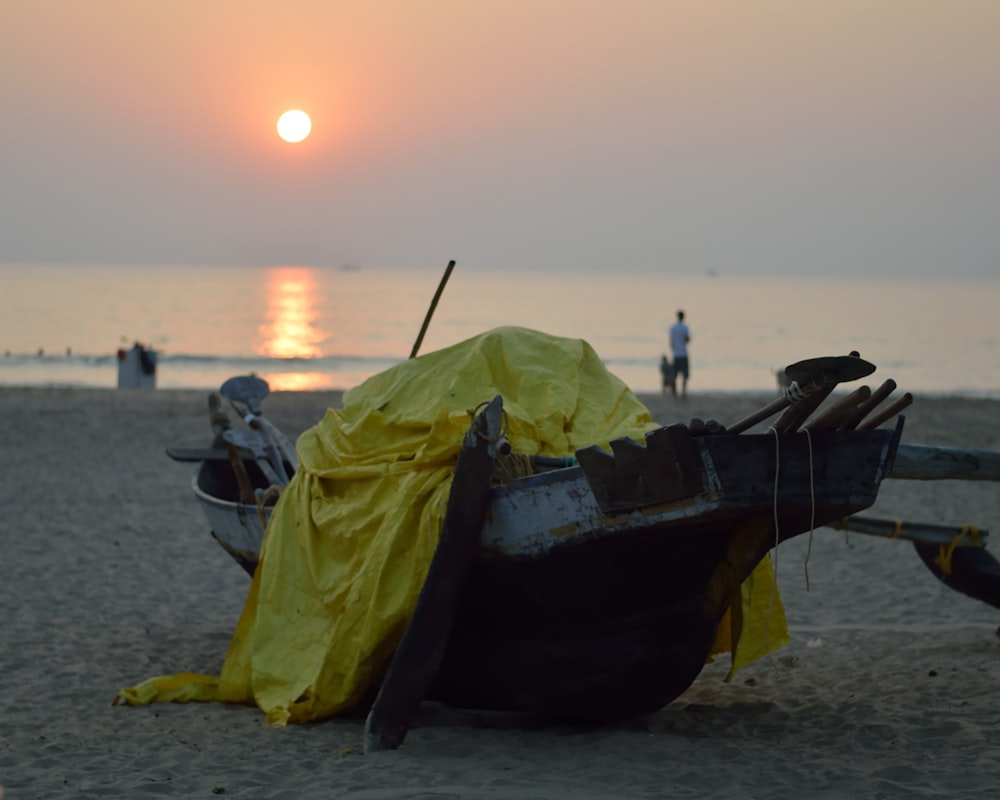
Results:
[790, 394]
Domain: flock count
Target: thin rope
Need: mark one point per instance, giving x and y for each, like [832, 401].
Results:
[774, 583]
[812, 508]
[504, 424]
[794, 392]
[968, 536]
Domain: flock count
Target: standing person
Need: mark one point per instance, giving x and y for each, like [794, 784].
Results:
[680, 335]
[667, 372]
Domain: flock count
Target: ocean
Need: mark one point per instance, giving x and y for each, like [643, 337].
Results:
[307, 328]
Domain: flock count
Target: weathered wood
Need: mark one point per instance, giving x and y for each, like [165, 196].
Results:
[797, 413]
[973, 571]
[419, 654]
[808, 376]
[887, 413]
[926, 533]
[830, 418]
[666, 468]
[869, 405]
[956, 556]
[204, 453]
[772, 408]
[924, 463]
[614, 615]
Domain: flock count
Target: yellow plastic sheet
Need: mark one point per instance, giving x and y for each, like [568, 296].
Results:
[352, 536]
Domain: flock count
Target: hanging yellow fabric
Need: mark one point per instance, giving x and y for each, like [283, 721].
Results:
[353, 533]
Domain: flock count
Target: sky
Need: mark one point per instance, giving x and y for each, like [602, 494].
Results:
[856, 137]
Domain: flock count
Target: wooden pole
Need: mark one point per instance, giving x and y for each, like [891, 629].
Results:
[923, 532]
[792, 417]
[923, 463]
[430, 311]
[887, 413]
[832, 416]
[865, 408]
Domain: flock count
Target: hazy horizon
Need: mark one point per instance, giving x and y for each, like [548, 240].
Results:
[854, 138]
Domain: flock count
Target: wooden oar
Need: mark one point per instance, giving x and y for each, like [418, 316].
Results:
[808, 376]
[419, 654]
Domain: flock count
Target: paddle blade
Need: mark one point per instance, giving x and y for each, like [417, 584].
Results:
[829, 369]
[246, 389]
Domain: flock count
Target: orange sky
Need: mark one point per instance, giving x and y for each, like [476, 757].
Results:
[736, 136]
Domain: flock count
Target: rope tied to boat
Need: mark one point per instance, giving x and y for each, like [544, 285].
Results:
[504, 427]
[968, 536]
[794, 392]
[812, 508]
[777, 533]
[774, 584]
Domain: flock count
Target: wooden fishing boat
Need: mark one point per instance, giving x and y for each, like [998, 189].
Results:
[593, 586]
[236, 481]
[597, 590]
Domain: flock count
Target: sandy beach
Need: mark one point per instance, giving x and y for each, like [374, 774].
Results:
[110, 577]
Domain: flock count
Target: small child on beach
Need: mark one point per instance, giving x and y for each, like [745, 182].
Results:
[667, 371]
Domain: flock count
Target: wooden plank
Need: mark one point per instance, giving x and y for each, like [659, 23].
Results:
[205, 454]
[666, 468]
[419, 654]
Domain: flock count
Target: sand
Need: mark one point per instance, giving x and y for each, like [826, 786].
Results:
[109, 577]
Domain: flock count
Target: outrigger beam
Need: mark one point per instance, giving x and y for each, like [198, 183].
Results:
[923, 463]
[923, 532]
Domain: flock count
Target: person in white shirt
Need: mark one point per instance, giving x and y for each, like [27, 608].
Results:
[680, 335]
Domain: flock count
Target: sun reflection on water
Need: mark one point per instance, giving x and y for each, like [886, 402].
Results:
[291, 330]
[300, 381]
[292, 312]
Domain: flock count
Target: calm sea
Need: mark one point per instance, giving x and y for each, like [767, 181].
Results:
[316, 328]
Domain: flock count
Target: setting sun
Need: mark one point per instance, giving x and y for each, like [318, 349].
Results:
[294, 126]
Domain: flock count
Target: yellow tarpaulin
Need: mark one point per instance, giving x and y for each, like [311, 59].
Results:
[352, 536]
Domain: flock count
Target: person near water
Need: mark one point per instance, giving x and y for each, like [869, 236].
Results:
[680, 335]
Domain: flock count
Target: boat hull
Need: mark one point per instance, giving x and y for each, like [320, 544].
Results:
[616, 613]
[238, 527]
[587, 600]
